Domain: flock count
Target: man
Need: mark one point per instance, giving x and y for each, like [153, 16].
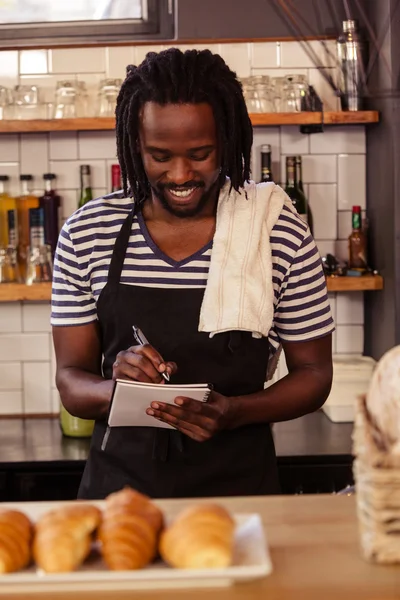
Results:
[142, 257]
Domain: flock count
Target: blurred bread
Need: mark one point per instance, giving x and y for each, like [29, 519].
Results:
[130, 530]
[63, 537]
[15, 541]
[201, 537]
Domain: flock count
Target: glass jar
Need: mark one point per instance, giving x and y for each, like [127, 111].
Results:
[295, 90]
[66, 100]
[262, 87]
[107, 97]
[74, 426]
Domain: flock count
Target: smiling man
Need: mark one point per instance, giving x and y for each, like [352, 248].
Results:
[142, 256]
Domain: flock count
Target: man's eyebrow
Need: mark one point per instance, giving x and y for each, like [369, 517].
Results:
[166, 151]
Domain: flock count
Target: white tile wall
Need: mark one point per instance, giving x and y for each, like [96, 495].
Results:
[333, 173]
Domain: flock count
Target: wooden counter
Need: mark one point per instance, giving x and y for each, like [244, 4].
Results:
[314, 548]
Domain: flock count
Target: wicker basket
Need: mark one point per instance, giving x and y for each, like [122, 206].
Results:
[377, 477]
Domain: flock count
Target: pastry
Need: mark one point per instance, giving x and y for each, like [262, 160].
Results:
[15, 540]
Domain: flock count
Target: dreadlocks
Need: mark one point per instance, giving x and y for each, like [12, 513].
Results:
[175, 77]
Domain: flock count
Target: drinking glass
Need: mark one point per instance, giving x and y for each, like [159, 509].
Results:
[107, 97]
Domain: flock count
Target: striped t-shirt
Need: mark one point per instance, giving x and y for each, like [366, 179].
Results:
[301, 306]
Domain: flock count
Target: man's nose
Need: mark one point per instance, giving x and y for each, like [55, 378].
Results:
[180, 171]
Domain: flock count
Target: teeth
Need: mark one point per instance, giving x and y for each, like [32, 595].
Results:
[182, 193]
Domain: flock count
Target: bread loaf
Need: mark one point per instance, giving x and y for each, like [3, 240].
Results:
[63, 537]
[200, 538]
[15, 541]
[130, 530]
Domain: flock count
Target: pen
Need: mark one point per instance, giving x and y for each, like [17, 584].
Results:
[142, 340]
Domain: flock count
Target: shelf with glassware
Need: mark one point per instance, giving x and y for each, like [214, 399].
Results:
[18, 292]
[257, 119]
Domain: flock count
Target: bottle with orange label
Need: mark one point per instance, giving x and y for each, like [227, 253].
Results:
[25, 201]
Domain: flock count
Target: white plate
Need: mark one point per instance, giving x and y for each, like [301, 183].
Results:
[251, 560]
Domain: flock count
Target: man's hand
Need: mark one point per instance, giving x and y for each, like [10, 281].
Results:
[142, 363]
[199, 420]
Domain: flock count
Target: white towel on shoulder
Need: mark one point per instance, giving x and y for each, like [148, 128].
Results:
[239, 294]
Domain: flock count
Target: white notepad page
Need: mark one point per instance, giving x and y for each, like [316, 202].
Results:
[131, 399]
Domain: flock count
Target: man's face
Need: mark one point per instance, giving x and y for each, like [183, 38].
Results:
[178, 145]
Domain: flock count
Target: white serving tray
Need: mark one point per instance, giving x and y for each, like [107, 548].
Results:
[251, 561]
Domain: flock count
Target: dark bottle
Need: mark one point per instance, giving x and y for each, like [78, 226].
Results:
[299, 179]
[357, 242]
[266, 162]
[116, 183]
[50, 203]
[36, 227]
[86, 186]
[292, 189]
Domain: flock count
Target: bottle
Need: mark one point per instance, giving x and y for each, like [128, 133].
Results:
[50, 203]
[7, 205]
[292, 189]
[266, 172]
[25, 201]
[299, 179]
[116, 183]
[352, 59]
[86, 186]
[36, 244]
[357, 242]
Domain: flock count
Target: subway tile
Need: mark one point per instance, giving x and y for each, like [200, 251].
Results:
[99, 192]
[324, 89]
[333, 302]
[98, 170]
[67, 173]
[294, 142]
[9, 68]
[266, 135]
[322, 198]
[12, 170]
[338, 140]
[24, 346]
[342, 250]
[298, 54]
[350, 339]
[33, 61]
[9, 148]
[97, 144]
[319, 168]
[55, 402]
[35, 317]
[344, 224]
[63, 145]
[92, 82]
[264, 55]
[84, 60]
[10, 376]
[10, 317]
[11, 403]
[69, 202]
[53, 365]
[350, 308]
[325, 247]
[117, 59]
[352, 181]
[35, 156]
[237, 57]
[141, 51]
[37, 392]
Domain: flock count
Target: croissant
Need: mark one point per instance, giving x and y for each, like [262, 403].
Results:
[15, 540]
[201, 537]
[130, 530]
[63, 537]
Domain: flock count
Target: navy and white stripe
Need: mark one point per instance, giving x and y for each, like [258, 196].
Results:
[86, 243]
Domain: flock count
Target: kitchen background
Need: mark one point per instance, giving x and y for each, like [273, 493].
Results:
[334, 173]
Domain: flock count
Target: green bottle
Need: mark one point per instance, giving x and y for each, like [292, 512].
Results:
[292, 189]
[299, 179]
[86, 186]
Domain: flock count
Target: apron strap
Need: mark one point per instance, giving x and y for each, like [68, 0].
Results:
[118, 256]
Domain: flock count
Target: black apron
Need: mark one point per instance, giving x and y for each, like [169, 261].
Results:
[164, 463]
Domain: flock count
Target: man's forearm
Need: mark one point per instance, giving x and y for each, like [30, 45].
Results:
[302, 391]
[84, 394]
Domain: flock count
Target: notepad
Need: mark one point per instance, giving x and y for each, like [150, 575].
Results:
[131, 399]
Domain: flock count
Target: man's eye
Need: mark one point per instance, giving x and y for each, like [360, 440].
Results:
[200, 156]
[160, 158]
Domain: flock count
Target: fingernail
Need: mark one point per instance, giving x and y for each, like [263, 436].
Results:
[155, 405]
[179, 401]
[150, 412]
[161, 367]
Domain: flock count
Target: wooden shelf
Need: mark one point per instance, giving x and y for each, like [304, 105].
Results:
[257, 119]
[364, 283]
[17, 292]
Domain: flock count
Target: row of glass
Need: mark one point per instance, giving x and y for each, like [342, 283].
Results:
[38, 265]
[264, 94]
[71, 99]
